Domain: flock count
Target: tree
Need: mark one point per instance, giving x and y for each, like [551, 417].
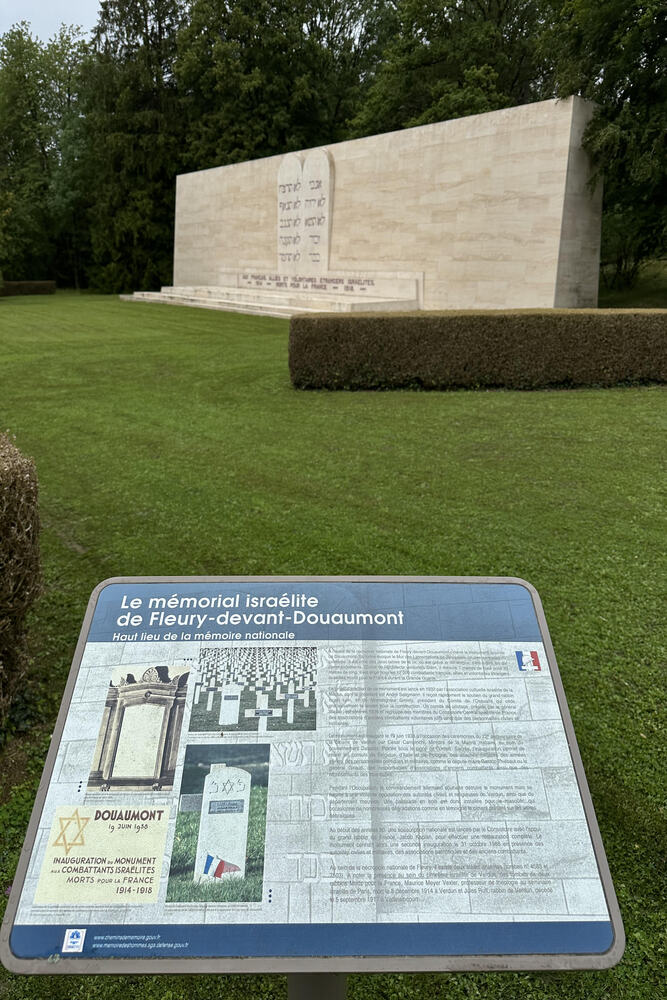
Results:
[133, 142]
[614, 52]
[38, 116]
[5, 212]
[68, 193]
[260, 78]
[457, 58]
[26, 156]
[349, 40]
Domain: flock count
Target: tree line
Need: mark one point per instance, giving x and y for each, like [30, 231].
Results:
[94, 132]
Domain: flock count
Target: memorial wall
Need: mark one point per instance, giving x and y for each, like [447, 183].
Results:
[488, 211]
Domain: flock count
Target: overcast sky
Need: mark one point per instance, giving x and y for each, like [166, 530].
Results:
[46, 16]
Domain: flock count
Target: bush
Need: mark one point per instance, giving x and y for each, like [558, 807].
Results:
[520, 349]
[20, 577]
[27, 288]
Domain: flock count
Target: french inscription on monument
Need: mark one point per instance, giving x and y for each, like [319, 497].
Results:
[331, 283]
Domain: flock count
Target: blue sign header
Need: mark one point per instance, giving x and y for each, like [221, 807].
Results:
[277, 610]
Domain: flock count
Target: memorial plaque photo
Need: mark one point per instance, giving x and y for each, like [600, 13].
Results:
[312, 774]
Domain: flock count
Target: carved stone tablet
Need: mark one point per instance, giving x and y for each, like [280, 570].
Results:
[305, 191]
[317, 195]
[290, 215]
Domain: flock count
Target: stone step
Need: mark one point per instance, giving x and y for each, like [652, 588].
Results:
[268, 302]
[278, 296]
[235, 294]
[270, 309]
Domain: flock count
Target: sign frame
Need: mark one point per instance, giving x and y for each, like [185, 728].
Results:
[386, 963]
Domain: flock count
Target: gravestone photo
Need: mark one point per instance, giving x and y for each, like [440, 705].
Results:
[223, 826]
[220, 829]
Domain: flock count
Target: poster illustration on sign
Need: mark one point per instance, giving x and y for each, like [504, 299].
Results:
[255, 689]
[140, 730]
[103, 855]
[218, 852]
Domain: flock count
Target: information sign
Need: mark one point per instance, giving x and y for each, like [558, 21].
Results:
[312, 775]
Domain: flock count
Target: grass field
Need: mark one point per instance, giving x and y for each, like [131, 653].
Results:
[169, 441]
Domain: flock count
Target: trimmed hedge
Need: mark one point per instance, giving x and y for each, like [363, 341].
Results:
[518, 349]
[20, 576]
[27, 287]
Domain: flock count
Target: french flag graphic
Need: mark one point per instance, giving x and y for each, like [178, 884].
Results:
[527, 659]
[216, 867]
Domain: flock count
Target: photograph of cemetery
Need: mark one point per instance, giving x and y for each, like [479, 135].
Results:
[255, 689]
[140, 730]
[218, 852]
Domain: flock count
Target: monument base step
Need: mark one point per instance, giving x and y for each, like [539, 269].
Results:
[269, 302]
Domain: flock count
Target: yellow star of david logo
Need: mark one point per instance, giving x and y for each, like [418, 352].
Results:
[70, 837]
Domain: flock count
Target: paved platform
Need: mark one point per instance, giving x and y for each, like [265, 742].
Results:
[272, 301]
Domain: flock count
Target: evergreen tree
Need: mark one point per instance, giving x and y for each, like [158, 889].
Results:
[261, 78]
[457, 58]
[68, 193]
[133, 142]
[615, 53]
[38, 116]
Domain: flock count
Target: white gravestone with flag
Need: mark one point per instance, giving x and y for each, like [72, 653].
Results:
[223, 828]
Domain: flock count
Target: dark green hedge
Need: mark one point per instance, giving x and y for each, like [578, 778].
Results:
[519, 349]
[20, 576]
[27, 287]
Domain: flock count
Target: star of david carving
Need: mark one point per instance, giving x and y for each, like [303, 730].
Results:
[227, 787]
[63, 839]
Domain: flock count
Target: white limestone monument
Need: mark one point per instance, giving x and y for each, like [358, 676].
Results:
[223, 826]
[493, 211]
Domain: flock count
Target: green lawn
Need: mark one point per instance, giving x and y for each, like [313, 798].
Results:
[169, 442]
